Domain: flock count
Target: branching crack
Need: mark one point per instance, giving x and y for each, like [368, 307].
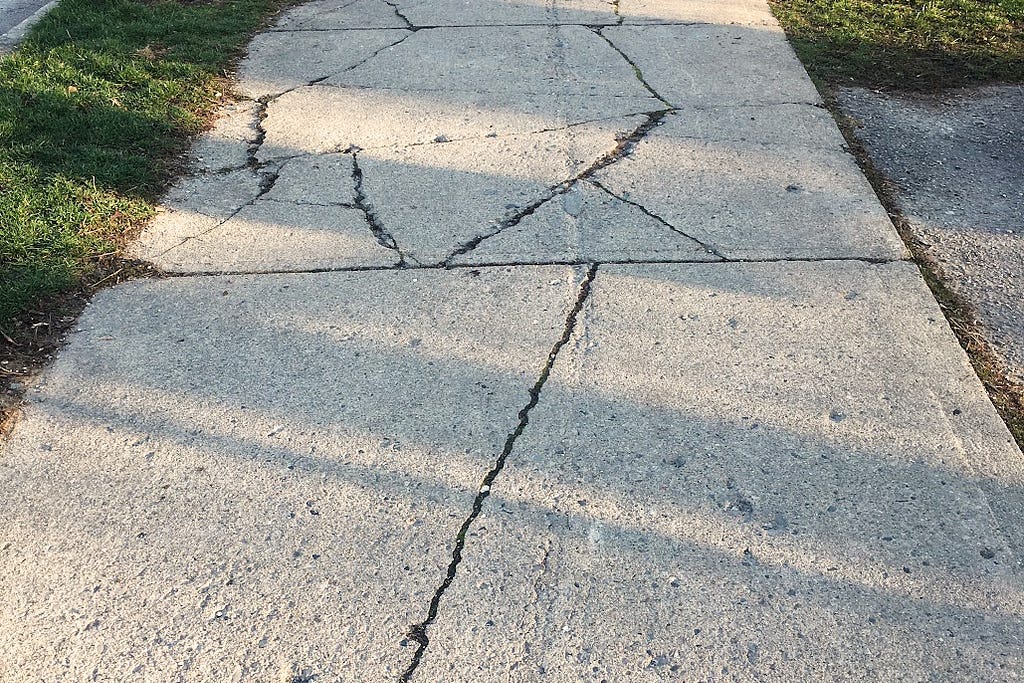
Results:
[707, 247]
[384, 238]
[418, 632]
[636, 69]
[624, 148]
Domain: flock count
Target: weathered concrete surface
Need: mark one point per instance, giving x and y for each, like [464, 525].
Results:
[544, 60]
[723, 65]
[507, 12]
[271, 236]
[228, 143]
[259, 478]
[720, 12]
[748, 472]
[755, 471]
[957, 162]
[340, 14]
[439, 197]
[586, 223]
[763, 199]
[281, 61]
[324, 119]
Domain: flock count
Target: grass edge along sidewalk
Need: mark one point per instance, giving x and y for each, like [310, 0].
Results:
[97, 105]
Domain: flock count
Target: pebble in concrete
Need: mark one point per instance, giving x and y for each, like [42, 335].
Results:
[271, 490]
[586, 223]
[747, 471]
[767, 200]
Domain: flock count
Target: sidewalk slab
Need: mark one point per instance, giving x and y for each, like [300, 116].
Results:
[586, 223]
[755, 200]
[720, 12]
[507, 12]
[707, 64]
[260, 477]
[518, 59]
[340, 14]
[322, 119]
[778, 471]
[436, 198]
[280, 61]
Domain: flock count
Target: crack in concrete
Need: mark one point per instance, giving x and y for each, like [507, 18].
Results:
[398, 13]
[366, 59]
[418, 632]
[624, 148]
[707, 247]
[383, 237]
[266, 175]
[636, 69]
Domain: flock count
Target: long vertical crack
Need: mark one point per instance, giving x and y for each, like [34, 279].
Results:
[383, 237]
[624, 148]
[418, 632]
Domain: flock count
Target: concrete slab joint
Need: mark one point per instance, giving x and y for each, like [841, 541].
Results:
[515, 340]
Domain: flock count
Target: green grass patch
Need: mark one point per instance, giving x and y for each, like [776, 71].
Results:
[95, 106]
[907, 44]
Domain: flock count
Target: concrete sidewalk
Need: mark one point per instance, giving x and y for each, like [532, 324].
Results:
[516, 342]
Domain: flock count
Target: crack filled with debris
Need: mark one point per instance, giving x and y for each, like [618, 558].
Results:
[624, 148]
[383, 237]
[418, 632]
[707, 247]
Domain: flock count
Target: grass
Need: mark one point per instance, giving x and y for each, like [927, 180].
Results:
[914, 45]
[95, 106]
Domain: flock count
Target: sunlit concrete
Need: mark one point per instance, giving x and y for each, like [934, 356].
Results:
[587, 224]
[752, 199]
[771, 470]
[735, 471]
[278, 62]
[227, 479]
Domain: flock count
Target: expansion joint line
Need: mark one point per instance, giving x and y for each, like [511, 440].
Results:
[624, 148]
[384, 238]
[418, 632]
